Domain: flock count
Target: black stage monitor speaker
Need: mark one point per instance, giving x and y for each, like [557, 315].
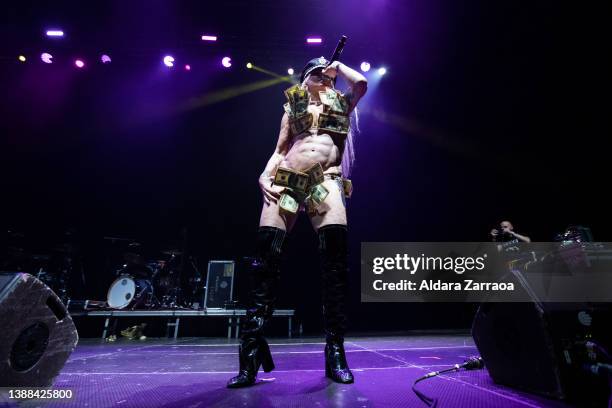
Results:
[38, 334]
[544, 347]
[219, 284]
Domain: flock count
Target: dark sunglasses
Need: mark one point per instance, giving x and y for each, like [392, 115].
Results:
[319, 74]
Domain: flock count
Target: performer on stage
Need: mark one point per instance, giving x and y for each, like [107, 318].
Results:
[506, 233]
[307, 173]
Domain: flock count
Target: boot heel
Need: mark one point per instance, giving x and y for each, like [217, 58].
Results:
[265, 357]
[336, 366]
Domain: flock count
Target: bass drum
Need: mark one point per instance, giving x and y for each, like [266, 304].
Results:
[129, 292]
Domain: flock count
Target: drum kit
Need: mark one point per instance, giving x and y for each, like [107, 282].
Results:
[142, 279]
[148, 284]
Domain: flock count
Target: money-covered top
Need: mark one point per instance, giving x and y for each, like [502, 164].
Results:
[334, 118]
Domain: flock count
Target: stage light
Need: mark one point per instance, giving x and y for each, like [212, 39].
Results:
[209, 38]
[290, 71]
[169, 61]
[55, 33]
[314, 40]
[21, 58]
[226, 62]
[382, 71]
[79, 63]
[365, 66]
[187, 67]
[46, 58]
[105, 59]
[257, 68]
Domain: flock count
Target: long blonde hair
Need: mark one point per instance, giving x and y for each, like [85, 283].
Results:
[348, 157]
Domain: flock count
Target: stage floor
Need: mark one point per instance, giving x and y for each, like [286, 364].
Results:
[192, 372]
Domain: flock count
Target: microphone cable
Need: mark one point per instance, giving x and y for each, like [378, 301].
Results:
[472, 363]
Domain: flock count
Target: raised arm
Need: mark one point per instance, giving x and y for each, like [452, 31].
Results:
[269, 191]
[522, 238]
[358, 84]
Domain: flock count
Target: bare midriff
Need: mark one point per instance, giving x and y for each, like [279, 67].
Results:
[312, 147]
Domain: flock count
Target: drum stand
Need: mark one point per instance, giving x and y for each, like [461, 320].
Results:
[172, 299]
[148, 300]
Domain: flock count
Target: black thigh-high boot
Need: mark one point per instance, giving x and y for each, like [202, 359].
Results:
[253, 350]
[333, 251]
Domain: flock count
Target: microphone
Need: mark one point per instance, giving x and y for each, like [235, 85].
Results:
[338, 50]
[473, 363]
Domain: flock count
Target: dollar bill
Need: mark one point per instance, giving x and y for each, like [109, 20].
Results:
[290, 178]
[311, 207]
[344, 104]
[348, 187]
[318, 193]
[288, 203]
[300, 182]
[287, 108]
[282, 177]
[338, 104]
[316, 174]
[333, 100]
[301, 124]
[334, 123]
[298, 99]
[301, 107]
[301, 101]
[290, 93]
[325, 98]
[300, 93]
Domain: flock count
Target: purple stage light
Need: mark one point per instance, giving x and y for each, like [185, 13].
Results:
[226, 62]
[169, 61]
[55, 33]
[290, 71]
[46, 58]
[105, 59]
[365, 66]
[314, 40]
[79, 63]
[209, 38]
[382, 71]
[187, 67]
